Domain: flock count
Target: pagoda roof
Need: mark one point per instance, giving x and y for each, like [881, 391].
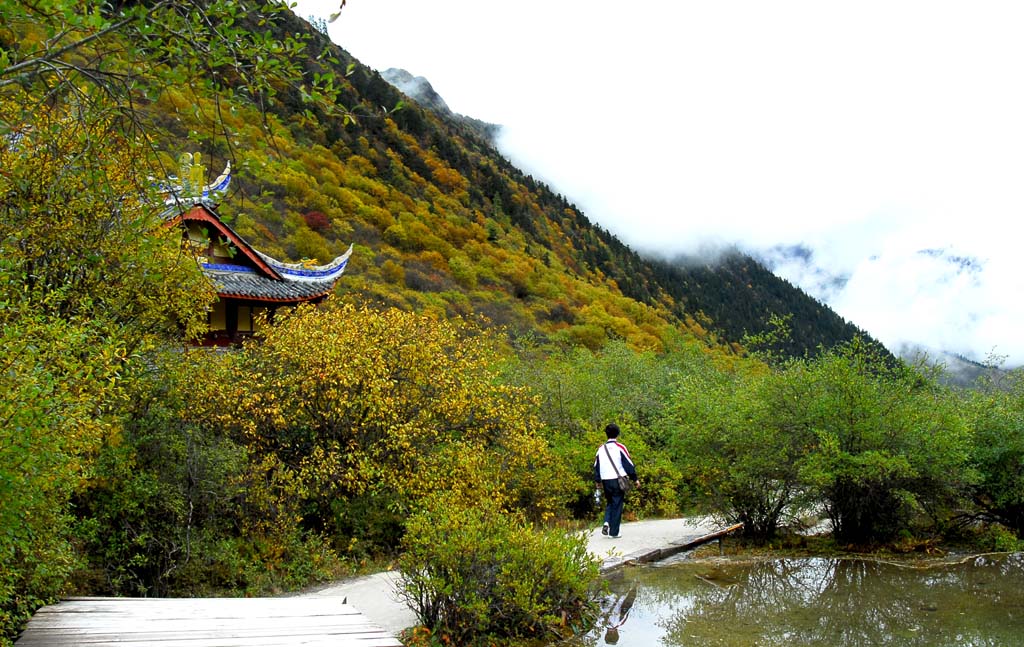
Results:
[251, 274]
[296, 284]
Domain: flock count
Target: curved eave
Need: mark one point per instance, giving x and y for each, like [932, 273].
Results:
[309, 273]
[257, 288]
[245, 283]
[274, 300]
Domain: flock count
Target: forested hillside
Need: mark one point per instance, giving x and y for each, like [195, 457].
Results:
[442, 221]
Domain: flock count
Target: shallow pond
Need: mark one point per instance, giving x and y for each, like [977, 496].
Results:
[815, 601]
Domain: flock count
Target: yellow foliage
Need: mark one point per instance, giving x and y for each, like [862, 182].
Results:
[436, 260]
[354, 401]
[361, 166]
[450, 179]
[392, 272]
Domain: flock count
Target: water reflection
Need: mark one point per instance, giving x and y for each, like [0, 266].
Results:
[816, 601]
[620, 609]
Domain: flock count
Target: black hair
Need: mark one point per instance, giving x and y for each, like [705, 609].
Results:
[612, 430]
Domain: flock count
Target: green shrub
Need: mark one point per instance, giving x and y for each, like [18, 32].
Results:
[738, 453]
[997, 537]
[876, 445]
[997, 449]
[480, 576]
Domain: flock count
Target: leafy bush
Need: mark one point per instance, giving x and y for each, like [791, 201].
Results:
[580, 391]
[479, 576]
[737, 452]
[999, 538]
[997, 452]
[381, 407]
[659, 494]
[177, 508]
[876, 445]
[890, 444]
[83, 287]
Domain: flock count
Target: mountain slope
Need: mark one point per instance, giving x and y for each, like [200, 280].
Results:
[442, 221]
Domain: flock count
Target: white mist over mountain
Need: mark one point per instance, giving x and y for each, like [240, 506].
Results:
[881, 140]
[910, 299]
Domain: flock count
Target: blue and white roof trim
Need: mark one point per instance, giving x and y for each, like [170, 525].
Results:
[298, 281]
[307, 272]
[248, 274]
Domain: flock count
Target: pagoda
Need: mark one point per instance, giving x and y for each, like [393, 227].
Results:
[248, 282]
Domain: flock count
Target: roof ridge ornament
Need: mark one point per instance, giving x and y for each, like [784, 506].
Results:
[189, 185]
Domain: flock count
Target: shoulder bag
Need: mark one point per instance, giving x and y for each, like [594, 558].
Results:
[624, 481]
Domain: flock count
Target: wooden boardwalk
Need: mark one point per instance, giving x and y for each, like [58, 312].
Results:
[311, 620]
[210, 622]
[653, 540]
[690, 544]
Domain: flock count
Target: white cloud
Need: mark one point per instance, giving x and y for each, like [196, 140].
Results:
[866, 131]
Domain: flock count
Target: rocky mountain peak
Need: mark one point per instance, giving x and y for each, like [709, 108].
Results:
[416, 88]
[419, 90]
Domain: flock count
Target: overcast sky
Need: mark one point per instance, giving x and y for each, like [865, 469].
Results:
[887, 138]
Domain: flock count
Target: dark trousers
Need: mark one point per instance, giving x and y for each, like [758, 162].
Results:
[615, 500]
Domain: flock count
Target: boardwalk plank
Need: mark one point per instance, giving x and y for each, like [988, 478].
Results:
[110, 632]
[279, 606]
[210, 622]
[136, 626]
[301, 641]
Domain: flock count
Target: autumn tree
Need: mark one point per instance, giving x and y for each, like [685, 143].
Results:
[740, 449]
[580, 391]
[91, 278]
[90, 275]
[373, 411]
[890, 445]
[112, 57]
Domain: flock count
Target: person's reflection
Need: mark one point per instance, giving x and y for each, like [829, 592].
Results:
[622, 605]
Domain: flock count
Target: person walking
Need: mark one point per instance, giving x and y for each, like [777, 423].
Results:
[611, 466]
